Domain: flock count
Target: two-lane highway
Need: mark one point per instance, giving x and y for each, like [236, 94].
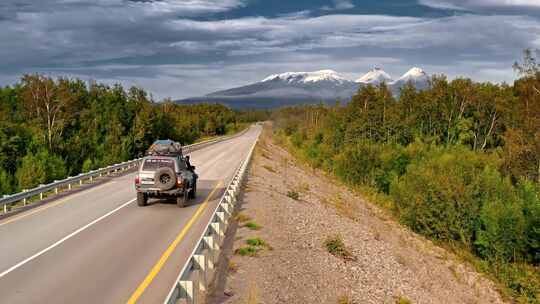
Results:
[97, 246]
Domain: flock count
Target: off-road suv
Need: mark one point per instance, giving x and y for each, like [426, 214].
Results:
[162, 176]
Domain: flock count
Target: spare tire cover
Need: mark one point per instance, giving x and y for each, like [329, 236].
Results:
[165, 178]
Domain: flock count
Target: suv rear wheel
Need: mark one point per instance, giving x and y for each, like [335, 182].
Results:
[181, 200]
[193, 192]
[142, 199]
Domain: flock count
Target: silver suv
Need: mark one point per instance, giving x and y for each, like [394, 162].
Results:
[166, 176]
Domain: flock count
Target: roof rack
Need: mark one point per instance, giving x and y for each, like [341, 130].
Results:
[165, 148]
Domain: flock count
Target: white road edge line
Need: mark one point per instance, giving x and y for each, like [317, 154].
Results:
[74, 233]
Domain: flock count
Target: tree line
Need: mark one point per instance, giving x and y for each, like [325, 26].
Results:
[458, 162]
[54, 128]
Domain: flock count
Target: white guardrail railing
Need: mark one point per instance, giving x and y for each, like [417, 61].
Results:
[197, 272]
[55, 187]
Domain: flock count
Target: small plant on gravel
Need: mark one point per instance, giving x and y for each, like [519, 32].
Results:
[257, 242]
[242, 218]
[247, 251]
[403, 300]
[233, 267]
[304, 187]
[335, 246]
[293, 194]
[253, 226]
[345, 300]
[269, 168]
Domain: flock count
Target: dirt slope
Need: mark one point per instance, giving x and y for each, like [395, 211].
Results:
[389, 264]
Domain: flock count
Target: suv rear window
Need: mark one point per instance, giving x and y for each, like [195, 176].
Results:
[152, 164]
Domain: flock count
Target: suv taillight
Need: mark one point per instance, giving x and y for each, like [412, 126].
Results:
[137, 180]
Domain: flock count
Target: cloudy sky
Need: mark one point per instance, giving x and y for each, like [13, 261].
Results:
[184, 48]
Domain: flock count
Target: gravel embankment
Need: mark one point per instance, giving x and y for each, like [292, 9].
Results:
[389, 263]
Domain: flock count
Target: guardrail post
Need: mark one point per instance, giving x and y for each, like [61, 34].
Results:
[217, 229]
[221, 217]
[226, 207]
[69, 186]
[56, 190]
[186, 291]
[213, 250]
[91, 178]
[41, 196]
[5, 208]
[200, 262]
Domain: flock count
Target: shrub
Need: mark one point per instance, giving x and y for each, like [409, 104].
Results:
[253, 226]
[257, 242]
[293, 194]
[40, 168]
[441, 196]
[335, 246]
[247, 251]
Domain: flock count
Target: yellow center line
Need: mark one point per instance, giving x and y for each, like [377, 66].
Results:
[157, 267]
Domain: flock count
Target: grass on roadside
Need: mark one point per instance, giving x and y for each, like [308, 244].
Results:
[335, 246]
[247, 251]
[403, 300]
[241, 217]
[269, 168]
[253, 246]
[253, 226]
[293, 194]
[344, 300]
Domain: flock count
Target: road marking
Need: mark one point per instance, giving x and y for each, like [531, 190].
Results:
[54, 204]
[74, 233]
[157, 267]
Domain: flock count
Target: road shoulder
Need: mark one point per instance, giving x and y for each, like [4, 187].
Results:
[291, 216]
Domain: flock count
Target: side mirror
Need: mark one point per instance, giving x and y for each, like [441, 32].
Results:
[192, 167]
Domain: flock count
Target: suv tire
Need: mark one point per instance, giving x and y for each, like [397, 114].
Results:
[181, 200]
[165, 178]
[142, 199]
[193, 192]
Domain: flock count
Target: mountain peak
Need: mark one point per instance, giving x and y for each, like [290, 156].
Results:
[375, 76]
[305, 77]
[414, 73]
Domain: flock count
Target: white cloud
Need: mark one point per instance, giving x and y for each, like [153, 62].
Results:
[339, 5]
[157, 45]
[468, 4]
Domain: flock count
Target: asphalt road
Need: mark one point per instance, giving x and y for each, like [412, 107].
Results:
[98, 246]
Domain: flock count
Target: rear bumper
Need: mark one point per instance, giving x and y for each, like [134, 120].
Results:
[158, 192]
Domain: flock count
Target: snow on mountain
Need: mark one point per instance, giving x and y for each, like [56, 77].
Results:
[306, 77]
[416, 76]
[293, 88]
[319, 85]
[375, 77]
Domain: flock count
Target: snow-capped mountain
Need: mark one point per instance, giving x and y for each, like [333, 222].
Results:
[375, 77]
[293, 88]
[415, 76]
[323, 85]
[307, 77]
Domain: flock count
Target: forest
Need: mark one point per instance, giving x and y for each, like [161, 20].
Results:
[458, 163]
[54, 128]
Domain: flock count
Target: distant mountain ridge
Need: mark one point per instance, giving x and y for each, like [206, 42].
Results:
[293, 88]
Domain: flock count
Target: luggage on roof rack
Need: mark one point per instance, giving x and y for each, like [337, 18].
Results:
[165, 147]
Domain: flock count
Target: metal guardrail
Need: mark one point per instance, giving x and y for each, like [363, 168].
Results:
[196, 272]
[7, 200]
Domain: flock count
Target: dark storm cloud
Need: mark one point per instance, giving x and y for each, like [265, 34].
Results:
[210, 44]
